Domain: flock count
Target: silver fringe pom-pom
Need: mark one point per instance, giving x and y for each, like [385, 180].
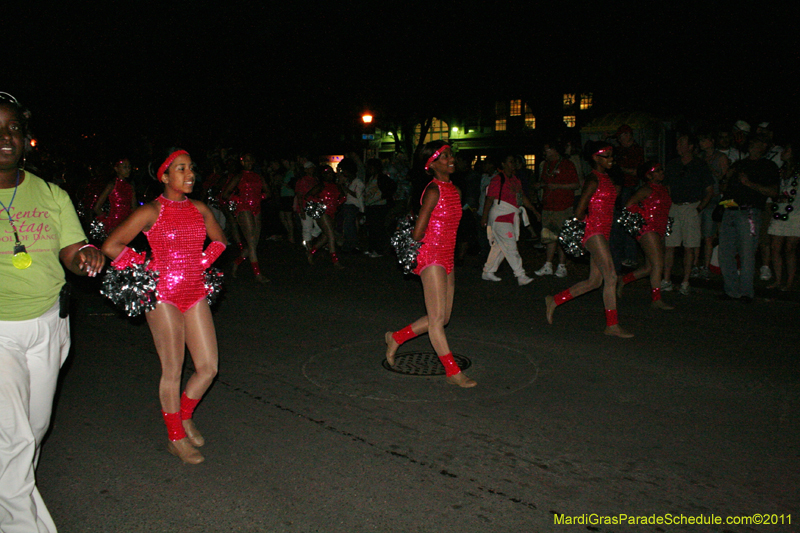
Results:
[213, 283]
[314, 209]
[132, 289]
[670, 221]
[405, 247]
[231, 206]
[97, 230]
[632, 222]
[571, 235]
[211, 198]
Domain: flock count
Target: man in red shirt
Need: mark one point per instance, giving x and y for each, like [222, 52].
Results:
[558, 181]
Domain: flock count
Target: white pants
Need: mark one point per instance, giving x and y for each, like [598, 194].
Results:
[31, 355]
[504, 247]
[310, 229]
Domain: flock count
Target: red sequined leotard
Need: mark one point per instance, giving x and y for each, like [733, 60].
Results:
[439, 242]
[601, 208]
[655, 210]
[248, 197]
[177, 239]
[119, 205]
[332, 197]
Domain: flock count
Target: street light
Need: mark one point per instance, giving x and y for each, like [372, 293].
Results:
[366, 118]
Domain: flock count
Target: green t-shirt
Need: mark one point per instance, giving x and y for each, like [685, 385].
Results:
[46, 222]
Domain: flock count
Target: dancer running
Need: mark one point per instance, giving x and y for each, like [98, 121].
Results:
[247, 189]
[120, 195]
[332, 195]
[176, 228]
[652, 201]
[597, 206]
[436, 227]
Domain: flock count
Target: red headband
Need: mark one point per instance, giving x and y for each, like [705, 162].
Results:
[168, 161]
[435, 156]
[603, 150]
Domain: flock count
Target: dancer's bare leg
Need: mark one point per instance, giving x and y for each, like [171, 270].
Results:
[601, 259]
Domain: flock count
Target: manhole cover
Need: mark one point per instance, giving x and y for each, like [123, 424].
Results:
[423, 364]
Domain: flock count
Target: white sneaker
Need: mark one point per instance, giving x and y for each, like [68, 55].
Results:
[546, 270]
[666, 286]
[489, 276]
[766, 273]
[561, 271]
[685, 290]
[524, 280]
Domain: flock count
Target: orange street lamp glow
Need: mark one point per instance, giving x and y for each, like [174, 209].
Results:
[367, 118]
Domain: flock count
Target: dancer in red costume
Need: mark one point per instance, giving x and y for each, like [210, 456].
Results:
[247, 189]
[120, 195]
[436, 227]
[176, 228]
[332, 195]
[597, 206]
[652, 201]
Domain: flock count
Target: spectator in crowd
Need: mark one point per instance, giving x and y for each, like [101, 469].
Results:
[745, 196]
[691, 188]
[784, 227]
[558, 181]
[120, 196]
[353, 187]
[718, 163]
[378, 193]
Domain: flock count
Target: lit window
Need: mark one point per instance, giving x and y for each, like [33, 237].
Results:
[530, 121]
[569, 100]
[530, 160]
[586, 101]
[516, 108]
[500, 124]
[439, 130]
[569, 120]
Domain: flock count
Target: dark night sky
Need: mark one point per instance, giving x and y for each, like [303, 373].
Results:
[275, 72]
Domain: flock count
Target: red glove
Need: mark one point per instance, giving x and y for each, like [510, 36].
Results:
[128, 257]
[211, 253]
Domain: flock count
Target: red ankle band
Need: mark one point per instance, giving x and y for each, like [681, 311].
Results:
[334, 257]
[611, 317]
[240, 245]
[187, 406]
[256, 270]
[655, 294]
[174, 426]
[239, 260]
[450, 365]
[628, 278]
[403, 335]
[562, 297]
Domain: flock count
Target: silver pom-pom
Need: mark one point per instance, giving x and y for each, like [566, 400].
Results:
[670, 221]
[231, 206]
[571, 236]
[405, 247]
[213, 283]
[97, 230]
[211, 198]
[314, 209]
[632, 222]
[132, 289]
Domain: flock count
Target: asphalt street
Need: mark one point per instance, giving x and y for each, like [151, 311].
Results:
[306, 431]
